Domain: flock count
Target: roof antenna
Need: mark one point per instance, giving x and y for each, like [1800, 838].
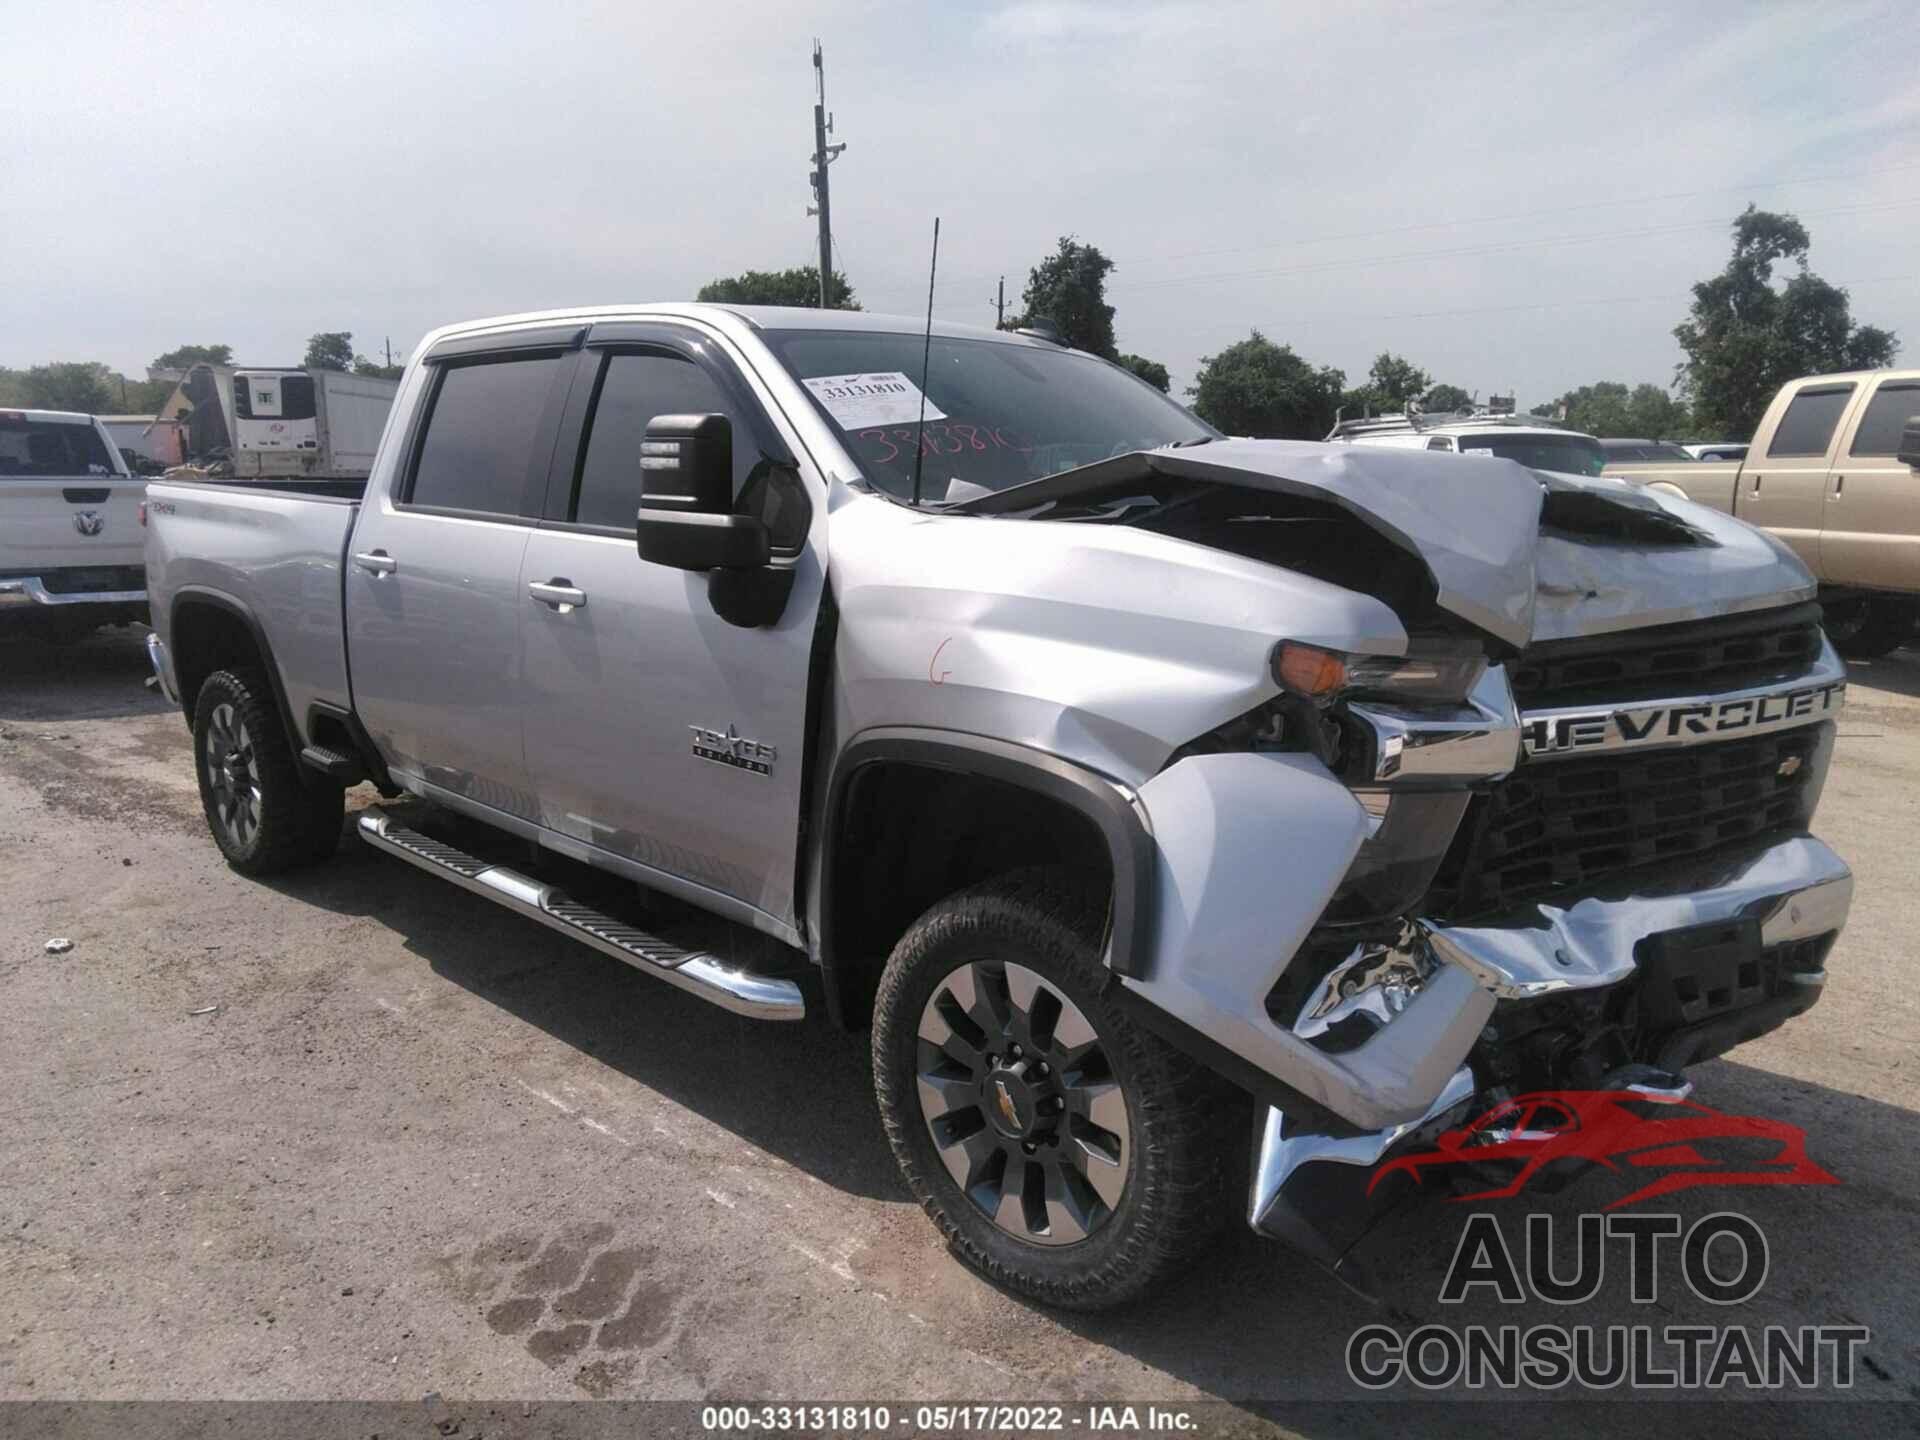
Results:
[926, 357]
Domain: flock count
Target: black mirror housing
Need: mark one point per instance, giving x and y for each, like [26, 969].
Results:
[1910, 442]
[686, 465]
[686, 498]
[694, 541]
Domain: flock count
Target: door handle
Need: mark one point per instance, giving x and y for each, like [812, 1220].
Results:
[1839, 485]
[559, 593]
[1756, 483]
[376, 562]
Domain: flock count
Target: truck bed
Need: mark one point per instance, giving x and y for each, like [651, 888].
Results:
[269, 552]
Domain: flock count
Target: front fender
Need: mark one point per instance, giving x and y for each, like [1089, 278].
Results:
[1249, 850]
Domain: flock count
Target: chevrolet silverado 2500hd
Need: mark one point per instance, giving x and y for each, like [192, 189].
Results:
[1832, 472]
[1110, 771]
[71, 552]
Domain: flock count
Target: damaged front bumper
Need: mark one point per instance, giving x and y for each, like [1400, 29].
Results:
[1311, 1188]
[1238, 896]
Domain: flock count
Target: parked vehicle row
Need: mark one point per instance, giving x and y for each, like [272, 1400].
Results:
[1166, 806]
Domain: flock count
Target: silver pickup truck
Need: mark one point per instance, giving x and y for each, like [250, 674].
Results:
[1170, 808]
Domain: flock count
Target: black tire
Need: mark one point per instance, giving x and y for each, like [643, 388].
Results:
[264, 814]
[1173, 1145]
[1870, 626]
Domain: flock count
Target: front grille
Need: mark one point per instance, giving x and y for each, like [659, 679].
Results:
[1567, 825]
[1701, 657]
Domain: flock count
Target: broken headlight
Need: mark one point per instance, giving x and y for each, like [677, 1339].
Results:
[1424, 675]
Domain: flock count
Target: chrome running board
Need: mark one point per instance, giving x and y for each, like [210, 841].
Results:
[760, 997]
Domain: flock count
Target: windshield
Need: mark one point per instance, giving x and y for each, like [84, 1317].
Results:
[1568, 454]
[998, 415]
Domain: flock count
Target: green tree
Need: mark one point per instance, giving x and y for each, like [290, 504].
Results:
[1068, 290]
[1611, 410]
[1397, 381]
[1151, 371]
[1258, 388]
[329, 350]
[1444, 399]
[799, 286]
[13, 387]
[72, 385]
[363, 366]
[1744, 339]
[186, 355]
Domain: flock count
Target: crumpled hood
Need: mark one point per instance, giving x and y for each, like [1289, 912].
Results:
[1519, 553]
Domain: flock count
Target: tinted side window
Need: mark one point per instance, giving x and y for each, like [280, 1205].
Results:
[46, 447]
[477, 453]
[633, 389]
[1887, 414]
[1808, 424]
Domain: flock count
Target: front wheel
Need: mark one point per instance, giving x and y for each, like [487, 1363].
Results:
[1869, 626]
[265, 816]
[1065, 1151]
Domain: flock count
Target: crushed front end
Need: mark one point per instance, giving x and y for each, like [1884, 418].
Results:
[1593, 872]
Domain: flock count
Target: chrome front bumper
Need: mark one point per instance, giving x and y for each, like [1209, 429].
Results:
[21, 591]
[1796, 889]
[162, 666]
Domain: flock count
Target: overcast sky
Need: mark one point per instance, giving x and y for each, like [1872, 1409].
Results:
[1510, 196]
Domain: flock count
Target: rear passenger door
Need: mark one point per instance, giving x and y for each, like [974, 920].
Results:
[1872, 530]
[623, 658]
[433, 595]
[1784, 488]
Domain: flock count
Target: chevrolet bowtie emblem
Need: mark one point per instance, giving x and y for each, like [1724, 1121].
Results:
[1007, 1107]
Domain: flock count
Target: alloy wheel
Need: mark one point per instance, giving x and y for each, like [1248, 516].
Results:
[1021, 1100]
[233, 775]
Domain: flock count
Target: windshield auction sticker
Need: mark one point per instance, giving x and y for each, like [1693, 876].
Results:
[884, 397]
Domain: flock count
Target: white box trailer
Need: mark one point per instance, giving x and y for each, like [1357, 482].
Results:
[265, 422]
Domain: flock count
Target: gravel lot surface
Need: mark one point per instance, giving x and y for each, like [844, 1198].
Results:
[357, 1134]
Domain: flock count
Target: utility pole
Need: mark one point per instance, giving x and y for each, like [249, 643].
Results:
[389, 352]
[1000, 306]
[823, 156]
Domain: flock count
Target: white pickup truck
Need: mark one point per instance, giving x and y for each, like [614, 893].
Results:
[72, 555]
[1160, 802]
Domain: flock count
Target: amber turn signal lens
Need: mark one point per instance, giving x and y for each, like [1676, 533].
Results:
[1306, 670]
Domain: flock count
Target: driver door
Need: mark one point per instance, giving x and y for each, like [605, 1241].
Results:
[629, 675]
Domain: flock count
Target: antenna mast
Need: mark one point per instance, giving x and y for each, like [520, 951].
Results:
[926, 357]
[823, 156]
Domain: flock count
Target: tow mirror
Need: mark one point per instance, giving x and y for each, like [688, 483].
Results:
[1910, 442]
[686, 517]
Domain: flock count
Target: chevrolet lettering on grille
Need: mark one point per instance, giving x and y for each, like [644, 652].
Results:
[1678, 722]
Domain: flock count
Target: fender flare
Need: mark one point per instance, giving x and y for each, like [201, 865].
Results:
[1109, 806]
[202, 596]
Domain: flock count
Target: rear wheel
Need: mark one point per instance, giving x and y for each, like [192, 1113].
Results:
[1869, 626]
[264, 814]
[1065, 1151]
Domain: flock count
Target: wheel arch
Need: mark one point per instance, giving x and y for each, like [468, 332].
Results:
[977, 807]
[208, 631]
